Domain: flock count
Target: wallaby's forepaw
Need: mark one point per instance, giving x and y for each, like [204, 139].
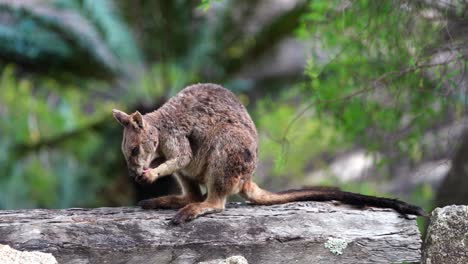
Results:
[148, 176]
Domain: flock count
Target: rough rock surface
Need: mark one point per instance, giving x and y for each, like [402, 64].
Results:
[9, 255]
[230, 260]
[447, 236]
[289, 233]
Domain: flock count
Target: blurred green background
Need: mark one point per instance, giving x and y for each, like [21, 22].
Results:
[367, 95]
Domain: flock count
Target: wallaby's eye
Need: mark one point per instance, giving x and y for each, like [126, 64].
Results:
[135, 151]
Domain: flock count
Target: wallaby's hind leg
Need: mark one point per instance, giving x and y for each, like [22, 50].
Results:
[218, 191]
[191, 193]
[231, 160]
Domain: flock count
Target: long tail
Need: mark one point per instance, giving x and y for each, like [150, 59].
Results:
[257, 195]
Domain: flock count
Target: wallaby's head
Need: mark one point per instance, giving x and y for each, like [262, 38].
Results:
[140, 141]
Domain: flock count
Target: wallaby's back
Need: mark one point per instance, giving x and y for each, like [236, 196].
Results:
[203, 106]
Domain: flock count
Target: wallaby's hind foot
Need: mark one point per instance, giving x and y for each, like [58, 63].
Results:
[194, 210]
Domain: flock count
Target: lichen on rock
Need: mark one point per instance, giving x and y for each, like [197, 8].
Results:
[336, 245]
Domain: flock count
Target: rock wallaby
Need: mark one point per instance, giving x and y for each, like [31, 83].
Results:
[205, 136]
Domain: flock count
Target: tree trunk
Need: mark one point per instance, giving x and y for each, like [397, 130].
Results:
[454, 188]
[303, 232]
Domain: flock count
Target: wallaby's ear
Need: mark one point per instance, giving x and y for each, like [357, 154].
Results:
[121, 117]
[137, 120]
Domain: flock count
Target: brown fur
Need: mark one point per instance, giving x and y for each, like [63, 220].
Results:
[206, 136]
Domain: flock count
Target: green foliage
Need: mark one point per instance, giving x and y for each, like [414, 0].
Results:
[205, 5]
[31, 40]
[67, 36]
[423, 196]
[37, 169]
[160, 81]
[291, 143]
[104, 16]
[57, 136]
[371, 87]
